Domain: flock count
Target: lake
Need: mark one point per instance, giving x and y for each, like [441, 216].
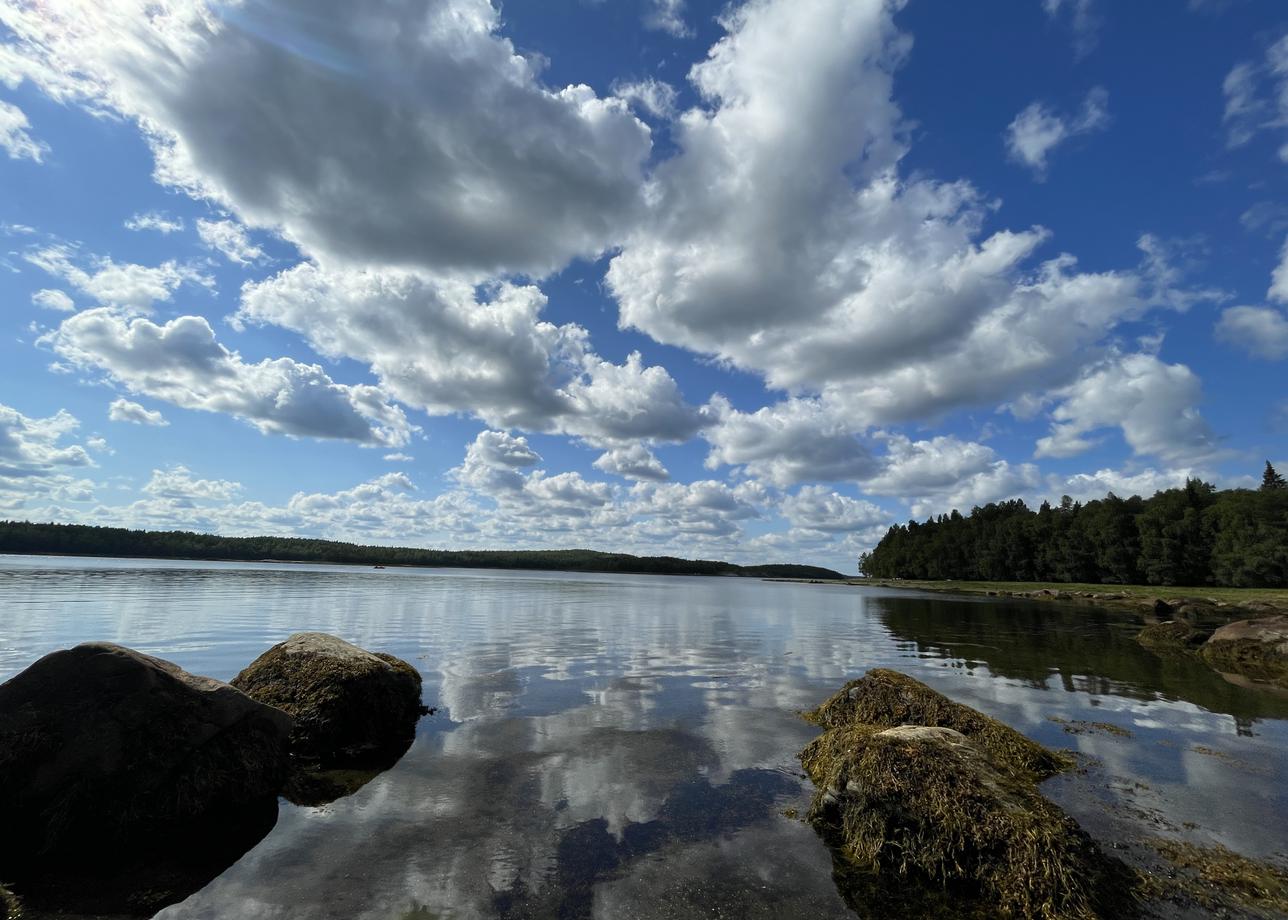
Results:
[625, 746]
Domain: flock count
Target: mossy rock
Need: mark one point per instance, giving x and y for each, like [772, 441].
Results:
[886, 699]
[1172, 636]
[1257, 648]
[351, 707]
[929, 807]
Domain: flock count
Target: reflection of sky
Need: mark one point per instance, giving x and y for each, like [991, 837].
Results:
[582, 714]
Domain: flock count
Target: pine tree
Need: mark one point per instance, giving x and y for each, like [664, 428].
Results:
[1272, 480]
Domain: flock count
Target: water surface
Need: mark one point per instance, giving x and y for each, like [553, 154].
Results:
[618, 746]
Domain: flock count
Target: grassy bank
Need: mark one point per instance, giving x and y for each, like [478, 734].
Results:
[1134, 595]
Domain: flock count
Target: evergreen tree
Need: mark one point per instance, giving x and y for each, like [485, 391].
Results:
[1271, 479]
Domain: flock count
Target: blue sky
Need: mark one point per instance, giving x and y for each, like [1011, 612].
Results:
[748, 281]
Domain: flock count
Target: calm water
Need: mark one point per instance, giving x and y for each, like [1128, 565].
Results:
[624, 746]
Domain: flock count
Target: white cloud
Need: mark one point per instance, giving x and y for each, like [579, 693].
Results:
[667, 16]
[1279, 280]
[35, 460]
[494, 461]
[398, 457]
[154, 220]
[635, 461]
[49, 299]
[435, 347]
[1083, 21]
[819, 508]
[1037, 130]
[408, 135]
[794, 441]
[1153, 403]
[117, 284]
[229, 237]
[181, 362]
[15, 139]
[178, 483]
[654, 96]
[1256, 97]
[123, 410]
[837, 277]
[1261, 331]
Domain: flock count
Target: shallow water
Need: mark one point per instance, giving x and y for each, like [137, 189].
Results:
[624, 746]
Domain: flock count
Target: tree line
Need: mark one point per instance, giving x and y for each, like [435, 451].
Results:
[84, 540]
[1196, 535]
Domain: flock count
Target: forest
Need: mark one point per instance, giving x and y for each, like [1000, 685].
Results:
[83, 540]
[1194, 536]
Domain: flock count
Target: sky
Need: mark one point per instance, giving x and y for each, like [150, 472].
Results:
[748, 280]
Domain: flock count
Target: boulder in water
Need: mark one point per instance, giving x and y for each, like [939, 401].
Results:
[1172, 636]
[887, 699]
[350, 706]
[1257, 648]
[114, 762]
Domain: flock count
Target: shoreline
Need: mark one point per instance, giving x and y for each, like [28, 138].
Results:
[1156, 599]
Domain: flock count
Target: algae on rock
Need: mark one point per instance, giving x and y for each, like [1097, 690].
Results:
[888, 699]
[949, 809]
[1172, 636]
[1256, 648]
[351, 707]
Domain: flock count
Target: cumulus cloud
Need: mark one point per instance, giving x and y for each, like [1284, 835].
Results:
[819, 508]
[634, 461]
[154, 220]
[178, 483]
[1037, 130]
[122, 284]
[1279, 280]
[494, 462]
[1261, 331]
[50, 299]
[36, 460]
[14, 136]
[1256, 97]
[123, 410]
[837, 276]
[434, 346]
[1153, 403]
[230, 238]
[794, 441]
[403, 134]
[181, 362]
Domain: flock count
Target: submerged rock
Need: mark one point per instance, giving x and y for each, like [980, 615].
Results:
[887, 699]
[350, 706]
[114, 762]
[1172, 636]
[1257, 648]
[919, 812]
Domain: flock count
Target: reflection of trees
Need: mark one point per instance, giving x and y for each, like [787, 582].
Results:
[1091, 650]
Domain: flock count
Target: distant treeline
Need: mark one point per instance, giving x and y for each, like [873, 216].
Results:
[1194, 536]
[82, 540]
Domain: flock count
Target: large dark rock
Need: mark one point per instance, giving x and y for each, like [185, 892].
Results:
[1257, 648]
[351, 706]
[113, 762]
[1172, 636]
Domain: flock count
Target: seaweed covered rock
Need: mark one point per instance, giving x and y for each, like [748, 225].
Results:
[1257, 648]
[926, 804]
[10, 909]
[931, 808]
[887, 699]
[350, 706]
[1172, 636]
[113, 762]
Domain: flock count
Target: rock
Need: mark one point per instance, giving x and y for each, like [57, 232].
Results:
[1257, 648]
[10, 909]
[351, 707]
[888, 699]
[1172, 636]
[926, 805]
[113, 761]
[1160, 607]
